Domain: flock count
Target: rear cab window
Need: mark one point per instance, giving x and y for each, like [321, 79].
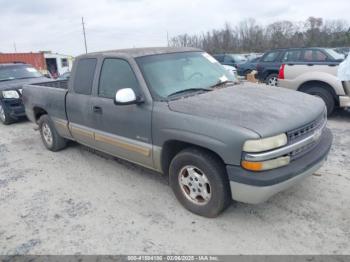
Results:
[116, 74]
[84, 76]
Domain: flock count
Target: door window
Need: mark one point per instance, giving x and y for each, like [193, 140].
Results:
[116, 74]
[84, 76]
[314, 56]
[270, 57]
[293, 55]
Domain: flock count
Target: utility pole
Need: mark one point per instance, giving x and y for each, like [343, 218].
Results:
[82, 22]
[167, 38]
[14, 45]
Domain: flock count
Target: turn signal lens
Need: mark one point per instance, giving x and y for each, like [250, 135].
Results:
[254, 166]
[266, 165]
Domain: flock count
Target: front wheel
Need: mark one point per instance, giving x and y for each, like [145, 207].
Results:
[199, 182]
[4, 117]
[51, 139]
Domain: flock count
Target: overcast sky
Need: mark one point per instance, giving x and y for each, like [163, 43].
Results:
[111, 24]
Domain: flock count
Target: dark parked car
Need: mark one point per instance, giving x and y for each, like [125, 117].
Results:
[270, 63]
[247, 67]
[12, 78]
[230, 59]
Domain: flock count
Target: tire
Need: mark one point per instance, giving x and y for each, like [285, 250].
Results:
[211, 187]
[325, 95]
[4, 116]
[271, 79]
[51, 139]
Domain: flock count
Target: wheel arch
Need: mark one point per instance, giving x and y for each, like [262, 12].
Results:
[172, 147]
[319, 84]
[38, 112]
[270, 72]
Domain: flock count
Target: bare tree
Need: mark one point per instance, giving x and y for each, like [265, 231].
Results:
[249, 36]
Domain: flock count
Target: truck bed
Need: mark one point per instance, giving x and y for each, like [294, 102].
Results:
[63, 84]
[49, 95]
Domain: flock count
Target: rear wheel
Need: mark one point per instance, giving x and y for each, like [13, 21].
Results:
[4, 116]
[51, 139]
[199, 182]
[271, 80]
[325, 95]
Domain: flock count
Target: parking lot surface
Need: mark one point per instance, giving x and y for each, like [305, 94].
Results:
[78, 201]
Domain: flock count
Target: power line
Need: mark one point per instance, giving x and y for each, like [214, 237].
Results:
[82, 22]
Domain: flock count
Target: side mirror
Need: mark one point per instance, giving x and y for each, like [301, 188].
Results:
[126, 96]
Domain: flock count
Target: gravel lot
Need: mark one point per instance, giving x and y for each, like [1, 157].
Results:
[78, 201]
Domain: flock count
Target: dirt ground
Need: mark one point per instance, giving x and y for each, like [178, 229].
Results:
[78, 201]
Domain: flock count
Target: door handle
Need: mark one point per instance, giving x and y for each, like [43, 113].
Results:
[97, 109]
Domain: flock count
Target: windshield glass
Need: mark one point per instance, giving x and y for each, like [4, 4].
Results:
[18, 72]
[239, 58]
[167, 74]
[335, 54]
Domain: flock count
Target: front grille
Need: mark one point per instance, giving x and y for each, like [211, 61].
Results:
[303, 132]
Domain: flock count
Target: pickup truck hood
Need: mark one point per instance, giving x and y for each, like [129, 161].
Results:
[265, 110]
[18, 83]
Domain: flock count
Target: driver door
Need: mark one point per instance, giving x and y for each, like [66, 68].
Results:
[121, 130]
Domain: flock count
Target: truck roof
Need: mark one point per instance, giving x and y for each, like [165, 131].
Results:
[138, 52]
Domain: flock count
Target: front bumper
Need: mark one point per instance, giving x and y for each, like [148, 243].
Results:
[344, 101]
[14, 107]
[256, 187]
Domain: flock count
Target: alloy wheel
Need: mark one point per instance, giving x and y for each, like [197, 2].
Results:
[2, 114]
[272, 81]
[47, 134]
[195, 185]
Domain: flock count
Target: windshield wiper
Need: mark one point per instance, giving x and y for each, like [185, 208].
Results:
[189, 91]
[220, 83]
[27, 77]
[6, 79]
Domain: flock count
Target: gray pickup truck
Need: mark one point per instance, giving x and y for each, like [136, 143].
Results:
[176, 111]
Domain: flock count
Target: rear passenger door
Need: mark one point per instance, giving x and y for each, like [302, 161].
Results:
[121, 130]
[78, 101]
[269, 63]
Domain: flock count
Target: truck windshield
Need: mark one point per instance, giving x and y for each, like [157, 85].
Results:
[168, 74]
[18, 72]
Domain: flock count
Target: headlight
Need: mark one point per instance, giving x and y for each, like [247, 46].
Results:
[264, 144]
[10, 94]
